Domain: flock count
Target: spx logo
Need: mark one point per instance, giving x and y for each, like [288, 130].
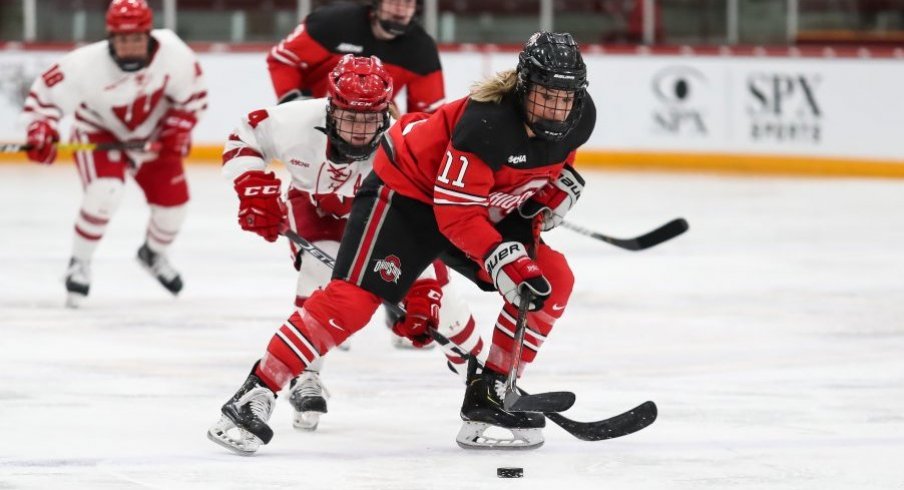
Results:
[681, 111]
[784, 107]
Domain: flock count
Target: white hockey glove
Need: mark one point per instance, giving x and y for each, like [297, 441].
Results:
[511, 270]
[556, 198]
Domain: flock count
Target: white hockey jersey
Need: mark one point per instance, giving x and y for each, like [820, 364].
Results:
[89, 84]
[288, 133]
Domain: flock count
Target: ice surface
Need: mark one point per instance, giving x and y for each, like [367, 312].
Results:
[771, 336]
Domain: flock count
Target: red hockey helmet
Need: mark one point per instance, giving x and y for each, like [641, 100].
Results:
[360, 84]
[127, 16]
[359, 91]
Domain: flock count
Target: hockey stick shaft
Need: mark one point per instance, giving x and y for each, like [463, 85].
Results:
[132, 145]
[520, 324]
[515, 401]
[642, 242]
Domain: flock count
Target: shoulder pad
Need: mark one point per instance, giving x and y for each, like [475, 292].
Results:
[415, 51]
[489, 130]
[331, 24]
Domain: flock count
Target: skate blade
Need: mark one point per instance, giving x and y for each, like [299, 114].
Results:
[306, 421]
[345, 346]
[174, 287]
[245, 445]
[74, 300]
[472, 435]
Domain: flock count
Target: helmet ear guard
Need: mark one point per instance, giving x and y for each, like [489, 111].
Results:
[357, 85]
[553, 61]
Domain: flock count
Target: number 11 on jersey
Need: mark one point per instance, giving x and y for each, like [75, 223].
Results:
[444, 177]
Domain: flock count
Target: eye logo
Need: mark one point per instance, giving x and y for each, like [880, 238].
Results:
[677, 84]
[682, 109]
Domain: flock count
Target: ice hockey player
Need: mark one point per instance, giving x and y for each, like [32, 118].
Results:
[138, 86]
[386, 28]
[327, 146]
[464, 184]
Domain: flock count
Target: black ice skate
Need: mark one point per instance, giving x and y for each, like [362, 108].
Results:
[482, 410]
[242, 427]
[308, 398]
[78, 282]
[159, 267]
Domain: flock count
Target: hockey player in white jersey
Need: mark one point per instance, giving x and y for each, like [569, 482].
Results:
[327, 145]
[141, 87]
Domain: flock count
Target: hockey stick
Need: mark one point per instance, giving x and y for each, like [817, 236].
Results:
[663, 233]
[553, 401]
[129, 145]
[612, 427]
[619, 425]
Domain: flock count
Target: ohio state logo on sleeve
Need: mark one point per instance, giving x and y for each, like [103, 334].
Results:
[390, 269]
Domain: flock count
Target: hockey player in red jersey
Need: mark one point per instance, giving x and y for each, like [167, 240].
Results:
[138, 86]
[328, 146]
[300, 63]
[465, 184]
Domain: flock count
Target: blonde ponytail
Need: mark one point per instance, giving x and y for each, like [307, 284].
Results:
[494, 88]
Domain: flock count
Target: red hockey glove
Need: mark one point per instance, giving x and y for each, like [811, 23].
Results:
[260, 208]
[42, 137]
[175, 131]
[511, 270]
[557, 198]
[422, 305]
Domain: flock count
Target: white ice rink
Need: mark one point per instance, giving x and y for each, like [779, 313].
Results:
[771, 336]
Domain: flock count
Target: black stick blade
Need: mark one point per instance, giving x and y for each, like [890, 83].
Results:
[663, 233]
[620, 425]
[553, 401]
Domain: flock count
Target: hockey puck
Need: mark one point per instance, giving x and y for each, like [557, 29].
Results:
[509, 472]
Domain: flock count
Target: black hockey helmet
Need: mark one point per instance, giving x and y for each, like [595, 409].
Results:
[552, 60]
[392, 27]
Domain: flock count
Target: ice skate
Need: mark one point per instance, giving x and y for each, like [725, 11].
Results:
[78, 282]
[308, 398]
[485, 425]
[242, 427]
[159, 267]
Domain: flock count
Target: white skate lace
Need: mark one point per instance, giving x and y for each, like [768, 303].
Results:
[499, 388]
[261, 404]
[162, 268]
[311, 386]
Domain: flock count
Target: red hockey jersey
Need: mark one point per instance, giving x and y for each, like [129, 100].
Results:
[474, 162]
[303, 60]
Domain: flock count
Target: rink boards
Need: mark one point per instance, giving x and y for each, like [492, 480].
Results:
[830, 114]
